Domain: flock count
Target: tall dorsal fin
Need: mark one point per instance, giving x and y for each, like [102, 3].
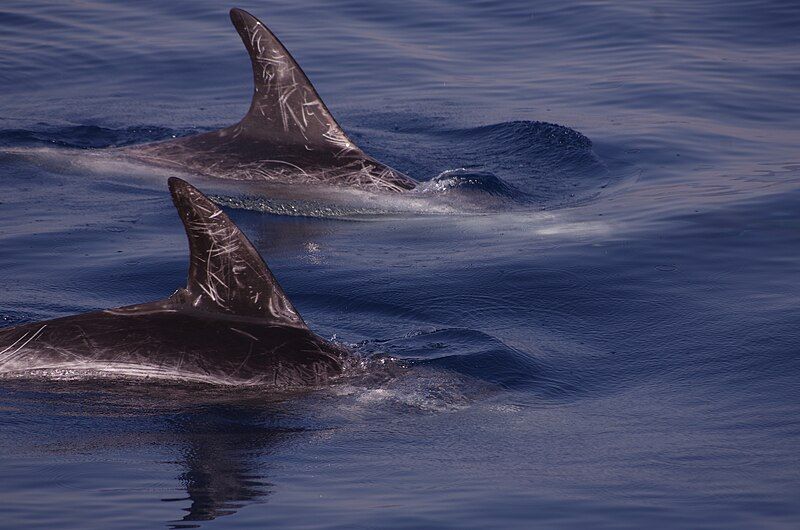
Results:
[287, 136]
[226, 273]
[285, 108]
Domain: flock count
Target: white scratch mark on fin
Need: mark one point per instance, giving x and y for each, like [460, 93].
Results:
[32, 337]
[246, 334]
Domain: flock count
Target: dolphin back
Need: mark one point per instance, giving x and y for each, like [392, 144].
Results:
[287, 136]
[231, 324]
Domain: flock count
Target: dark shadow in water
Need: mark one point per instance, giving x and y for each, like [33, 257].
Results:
[223, 439]
[221, 455]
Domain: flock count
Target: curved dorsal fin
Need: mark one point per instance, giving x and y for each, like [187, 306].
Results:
[285, 108]
[226, 273]
[288, 135]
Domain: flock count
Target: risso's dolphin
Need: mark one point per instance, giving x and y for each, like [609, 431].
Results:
[231, 324]
[287, 136]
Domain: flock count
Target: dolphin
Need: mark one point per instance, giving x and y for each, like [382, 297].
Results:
[231, 324]
[288, 135]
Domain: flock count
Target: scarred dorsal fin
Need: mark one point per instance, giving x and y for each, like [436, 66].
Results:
[287, 136]
[285, 108]
[226, 273]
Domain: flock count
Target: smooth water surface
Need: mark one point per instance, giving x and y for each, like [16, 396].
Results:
[610, 340]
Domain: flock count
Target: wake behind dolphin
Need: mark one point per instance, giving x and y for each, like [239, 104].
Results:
[287, 136]
[289, 156]
[231, 324]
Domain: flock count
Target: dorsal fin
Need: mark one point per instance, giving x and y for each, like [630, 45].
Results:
[285, 108]
[287, 136]
[226, 273]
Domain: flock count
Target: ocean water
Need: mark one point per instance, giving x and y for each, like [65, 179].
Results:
[601, 330]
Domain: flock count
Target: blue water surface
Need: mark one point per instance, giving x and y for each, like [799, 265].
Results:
[611, 341]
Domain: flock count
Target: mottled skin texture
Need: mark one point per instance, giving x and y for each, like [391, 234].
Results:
[287, 136]
[232, 323]
[155, 340]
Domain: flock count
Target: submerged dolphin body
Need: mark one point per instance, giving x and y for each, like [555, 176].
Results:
[231, 324]
[287, 136]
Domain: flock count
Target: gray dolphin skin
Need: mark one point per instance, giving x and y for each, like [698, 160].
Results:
[287, 136]
[231, 324]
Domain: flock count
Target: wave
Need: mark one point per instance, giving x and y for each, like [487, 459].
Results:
[478, 356]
